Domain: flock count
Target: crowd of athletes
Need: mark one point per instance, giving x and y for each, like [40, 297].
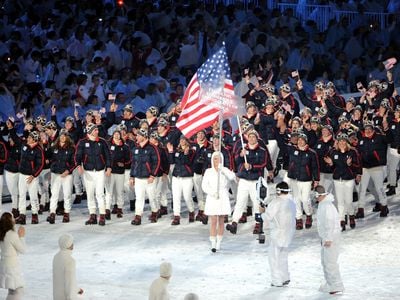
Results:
[91, 95]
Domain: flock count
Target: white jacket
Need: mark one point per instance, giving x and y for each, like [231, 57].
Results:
[281, 215]
[64, 276]
[158, 289]
[210, 182]
[10, 271]
[328, 221]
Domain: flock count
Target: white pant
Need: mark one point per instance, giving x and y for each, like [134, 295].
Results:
[393, 159]
[197, 179]
[273, 150]
[115, 186]
[77, 178]
[44, 184]
[301, 195]
[330, 266]
[182, 186]
[129, 191]
[57, 183]
[377, 176]
[12, 186]
[162, 190]
[142, 187]
[32, 188]
[278, 263]
[245, 189]
[94, 185]
[326, 180]
[344, 197]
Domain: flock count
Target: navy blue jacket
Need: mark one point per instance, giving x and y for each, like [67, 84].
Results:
[146, 161]
[340, 168]
[32, 160]
[14, 152]
[183, 163]
[303, 165]
[62, 159]
[120, 154]
[322, 149]
[258, 158]
[373, 150]
[94, 155]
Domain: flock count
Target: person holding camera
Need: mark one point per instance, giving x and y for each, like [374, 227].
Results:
[281, 216]
[11, 244]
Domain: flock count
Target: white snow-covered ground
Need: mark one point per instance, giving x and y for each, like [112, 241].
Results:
[119, 261]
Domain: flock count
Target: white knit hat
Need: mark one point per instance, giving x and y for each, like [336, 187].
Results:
[65, 241]
[165, 269]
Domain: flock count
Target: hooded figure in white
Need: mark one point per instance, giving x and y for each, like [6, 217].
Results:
[217, 200]
[329, 232]
[158, 288]
[281, 217]
[64, 271]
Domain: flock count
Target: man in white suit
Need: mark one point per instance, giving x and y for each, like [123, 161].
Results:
[64, 271]
[281, 216]
[329, 233]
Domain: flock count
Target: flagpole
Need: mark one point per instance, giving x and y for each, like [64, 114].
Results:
[241, 138]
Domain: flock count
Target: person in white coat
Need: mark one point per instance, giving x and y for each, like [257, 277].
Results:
[11, 244]
[158, 288]
[216, 183]
[281, 217]
[329, 233]
[64, 271]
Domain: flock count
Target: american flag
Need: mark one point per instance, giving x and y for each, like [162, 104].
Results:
[209, 91]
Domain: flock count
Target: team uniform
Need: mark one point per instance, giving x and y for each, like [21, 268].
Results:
[94, 156]
[62, 161]
[32, 162]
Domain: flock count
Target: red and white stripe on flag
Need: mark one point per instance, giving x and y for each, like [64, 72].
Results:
[209, 92]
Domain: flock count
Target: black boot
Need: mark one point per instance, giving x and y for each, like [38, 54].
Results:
[92, 220]
[391, 191]
[21, 219]
[51, 218]
[232, 227]
[360, 213]
[132, 204]
[384, 211]
[343, 225]
[352, 222]
[108, 214]
[60, 208]
[102, 220]
[66, 218]
[78, 199]
[377, 207]
[137, 220]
